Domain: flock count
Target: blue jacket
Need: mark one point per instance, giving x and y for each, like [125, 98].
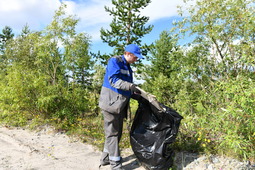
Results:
[115, 92]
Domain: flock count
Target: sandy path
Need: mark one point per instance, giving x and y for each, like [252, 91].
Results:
[45, 150]
[25, 150]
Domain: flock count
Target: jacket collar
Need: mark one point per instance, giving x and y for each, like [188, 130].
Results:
[124, 60]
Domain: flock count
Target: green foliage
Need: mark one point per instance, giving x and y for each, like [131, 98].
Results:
[213, 82]
[227, 28]
[49, 73]
[17, 119]
[5, 37]
[165, 51]
[78, 60]
[162, 75]
[127, 26]
[218, 117]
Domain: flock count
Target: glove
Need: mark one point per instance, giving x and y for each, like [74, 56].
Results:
[134, 89]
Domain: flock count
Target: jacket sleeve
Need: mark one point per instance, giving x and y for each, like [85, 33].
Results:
[114, 75]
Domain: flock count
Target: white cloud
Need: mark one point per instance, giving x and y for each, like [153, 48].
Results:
[92, 15]
[35, 13]
[158, 9]
[38, 13]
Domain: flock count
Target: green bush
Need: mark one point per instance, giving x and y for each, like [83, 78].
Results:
[218, 119]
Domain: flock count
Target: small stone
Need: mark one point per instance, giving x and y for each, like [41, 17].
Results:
[247, 162]
[215, 160]
[210, 167]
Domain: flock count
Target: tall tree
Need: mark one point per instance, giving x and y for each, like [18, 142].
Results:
[165, 55]
[219, 82]
[77, 59]
[39, 64]
[228, 28]
[25, 31]
[5, 36]
[63, 51]
[127, 26]
[163, 72]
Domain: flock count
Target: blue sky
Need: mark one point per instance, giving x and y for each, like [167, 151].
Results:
[38, 14]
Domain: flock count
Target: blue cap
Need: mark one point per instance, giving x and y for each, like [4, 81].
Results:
[134, 49]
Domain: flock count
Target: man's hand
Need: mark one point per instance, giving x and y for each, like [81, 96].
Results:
[134, 89]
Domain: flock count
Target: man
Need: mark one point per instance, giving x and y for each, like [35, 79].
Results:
[114, 100]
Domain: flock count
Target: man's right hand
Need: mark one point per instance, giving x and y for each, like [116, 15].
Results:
[134, 89]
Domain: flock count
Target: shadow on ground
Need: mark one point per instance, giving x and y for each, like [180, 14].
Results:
[130, 162]
[181, 160]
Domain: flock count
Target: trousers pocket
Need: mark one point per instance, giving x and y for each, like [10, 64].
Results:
[113, 100]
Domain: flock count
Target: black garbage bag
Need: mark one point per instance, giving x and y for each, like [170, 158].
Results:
[154, 128]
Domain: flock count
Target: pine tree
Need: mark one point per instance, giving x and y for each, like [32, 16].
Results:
[25, 31]
[127, 25]
[165, 56]
[163, 72]
[5, 36]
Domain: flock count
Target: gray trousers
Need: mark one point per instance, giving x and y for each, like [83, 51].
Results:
[113, 125]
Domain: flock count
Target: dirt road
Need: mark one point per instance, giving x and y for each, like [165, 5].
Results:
[25, 150]
[47, 150]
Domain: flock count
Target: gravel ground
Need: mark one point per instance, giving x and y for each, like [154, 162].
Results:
[191, 161]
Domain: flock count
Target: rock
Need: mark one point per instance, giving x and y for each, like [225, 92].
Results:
[191, 161]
